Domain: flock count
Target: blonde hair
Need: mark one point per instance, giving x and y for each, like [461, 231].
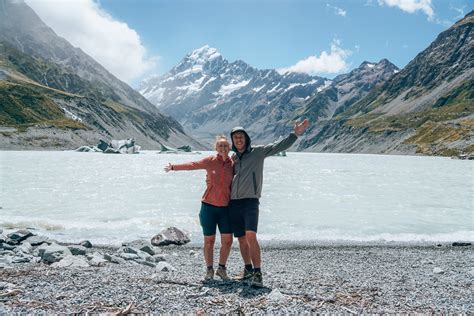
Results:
[219, 138]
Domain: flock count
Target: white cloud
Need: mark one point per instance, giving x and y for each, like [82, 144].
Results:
[329, 63]
[336, 10]
[86, 25]
[411, 6]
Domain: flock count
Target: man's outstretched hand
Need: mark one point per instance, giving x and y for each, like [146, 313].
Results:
[300, 127]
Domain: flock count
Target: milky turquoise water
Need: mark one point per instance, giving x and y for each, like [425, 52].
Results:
[306, 197]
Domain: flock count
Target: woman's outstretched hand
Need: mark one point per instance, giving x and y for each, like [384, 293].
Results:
[300, 127]
[168, 168]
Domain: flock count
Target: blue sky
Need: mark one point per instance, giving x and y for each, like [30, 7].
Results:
[323, 38]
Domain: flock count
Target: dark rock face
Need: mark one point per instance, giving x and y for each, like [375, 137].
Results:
[170, 236]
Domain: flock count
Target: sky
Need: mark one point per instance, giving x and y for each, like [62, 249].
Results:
[135, 39]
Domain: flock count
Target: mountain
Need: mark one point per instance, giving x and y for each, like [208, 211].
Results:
[53, 95]
[427, 107]
[347, 89]
[209, 95]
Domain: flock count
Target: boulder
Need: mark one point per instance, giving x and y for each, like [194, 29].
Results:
[77, 250]
[86, 243]
[38, 240]
[25, 247]
[54, 253]
[6, 246]
[20, 235]
[71, 261]
[170, 236]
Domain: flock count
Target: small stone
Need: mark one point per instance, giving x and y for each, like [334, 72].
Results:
[142, 245]
[159, 258]
[71, 261]
[128, 256]
[277, 297]
[113, 259]
[146, 263]
[165, 267]
[97, 259]
[438, 270]
[192, 252]
[461, 244]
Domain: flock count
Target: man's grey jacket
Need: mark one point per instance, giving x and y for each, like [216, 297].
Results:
[248, 166]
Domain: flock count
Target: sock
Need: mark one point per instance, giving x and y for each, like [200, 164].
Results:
[222, 266]
[248, 267]
[257, 270]
[210, 267]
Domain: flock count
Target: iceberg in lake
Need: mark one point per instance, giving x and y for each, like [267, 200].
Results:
[124, 146]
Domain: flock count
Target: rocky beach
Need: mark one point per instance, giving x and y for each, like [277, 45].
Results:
[39, 275]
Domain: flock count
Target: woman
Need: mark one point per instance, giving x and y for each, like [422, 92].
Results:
[214, 204]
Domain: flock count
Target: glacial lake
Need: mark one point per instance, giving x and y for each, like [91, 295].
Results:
[108, 199]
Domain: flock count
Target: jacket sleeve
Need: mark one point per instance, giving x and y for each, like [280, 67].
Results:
[201, 164]
[276, 147]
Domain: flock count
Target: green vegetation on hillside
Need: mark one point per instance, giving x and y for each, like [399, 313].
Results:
[24, 106]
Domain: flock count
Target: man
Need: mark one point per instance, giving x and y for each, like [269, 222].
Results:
[246, 192]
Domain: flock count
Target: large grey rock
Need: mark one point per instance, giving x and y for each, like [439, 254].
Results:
[165, 267]
[6, 246]
[128, 256]
[170, 236]
[142, 245]
[71, 261]
[25, 247]
[86, 243]
[20, 235]
[38, 240]
[54, 253]
[77, 250]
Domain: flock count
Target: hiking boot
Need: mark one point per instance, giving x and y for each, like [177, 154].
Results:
[209, 275]
[257, 280]
[245, 275]
[222, 273]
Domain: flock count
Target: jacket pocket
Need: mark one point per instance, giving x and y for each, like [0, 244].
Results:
[254, 178]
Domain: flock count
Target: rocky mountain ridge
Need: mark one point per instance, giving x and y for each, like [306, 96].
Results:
[55, 96]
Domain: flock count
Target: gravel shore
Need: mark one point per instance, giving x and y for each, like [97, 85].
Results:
[297, 278]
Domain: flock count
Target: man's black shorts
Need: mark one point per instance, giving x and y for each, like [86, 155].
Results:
[243, 216]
